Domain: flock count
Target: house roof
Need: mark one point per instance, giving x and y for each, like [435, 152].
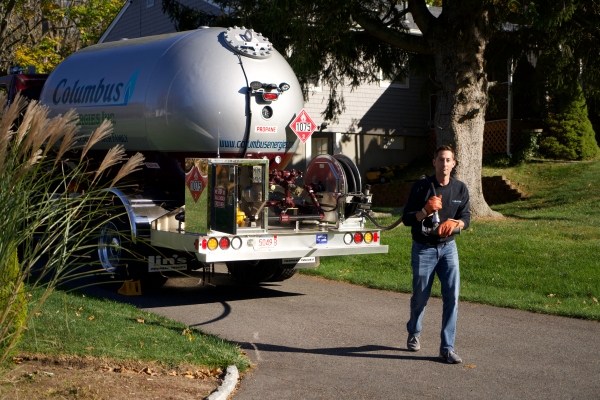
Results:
[148, 17]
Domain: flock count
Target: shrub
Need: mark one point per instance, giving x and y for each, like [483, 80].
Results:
[13, 302]
[569, 134]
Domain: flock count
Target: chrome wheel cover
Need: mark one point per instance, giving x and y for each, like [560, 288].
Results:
[109, 247]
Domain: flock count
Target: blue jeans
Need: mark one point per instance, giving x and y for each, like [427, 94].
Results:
[426, 262]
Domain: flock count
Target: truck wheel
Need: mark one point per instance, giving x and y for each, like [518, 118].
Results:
[252, 272]
[120, 259]
[282, 274]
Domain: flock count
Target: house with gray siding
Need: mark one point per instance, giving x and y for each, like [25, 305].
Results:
[384, 123]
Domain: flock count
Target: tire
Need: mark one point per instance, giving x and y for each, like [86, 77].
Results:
[118, 259]
[252, 272]
[282, 274]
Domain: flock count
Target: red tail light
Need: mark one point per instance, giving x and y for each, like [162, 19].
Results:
[224, 243]
[268, 96]
[358, 237]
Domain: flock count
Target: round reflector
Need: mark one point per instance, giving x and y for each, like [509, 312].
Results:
[224, 243]
[368, 237]
[348, 238]
[358, 237]
[213, 243]
[236, 243]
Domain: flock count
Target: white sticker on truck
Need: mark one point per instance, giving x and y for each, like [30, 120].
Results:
[298, 260]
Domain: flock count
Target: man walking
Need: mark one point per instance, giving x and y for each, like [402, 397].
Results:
[437, 208]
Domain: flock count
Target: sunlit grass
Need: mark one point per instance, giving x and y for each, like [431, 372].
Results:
[79, 325]
[543, 256]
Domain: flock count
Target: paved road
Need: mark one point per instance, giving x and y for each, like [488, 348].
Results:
[315, 339]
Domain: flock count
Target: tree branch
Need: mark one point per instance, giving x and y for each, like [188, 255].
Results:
[421, 15]
[396, 38]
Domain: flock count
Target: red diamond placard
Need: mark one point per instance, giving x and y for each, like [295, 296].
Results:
[303, 126]
[195, 183]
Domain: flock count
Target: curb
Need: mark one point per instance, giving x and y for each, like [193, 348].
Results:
[228, 385]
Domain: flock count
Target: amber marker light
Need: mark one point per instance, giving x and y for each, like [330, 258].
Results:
[213, 243]
[368, 237]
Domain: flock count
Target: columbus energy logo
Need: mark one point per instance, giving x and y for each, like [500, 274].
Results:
[100, 93]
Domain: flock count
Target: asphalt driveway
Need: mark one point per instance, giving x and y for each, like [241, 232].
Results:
[315, 339]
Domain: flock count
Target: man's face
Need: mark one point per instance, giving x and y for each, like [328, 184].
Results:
[444, 162]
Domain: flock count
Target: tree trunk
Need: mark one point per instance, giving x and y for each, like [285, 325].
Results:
[458, 47]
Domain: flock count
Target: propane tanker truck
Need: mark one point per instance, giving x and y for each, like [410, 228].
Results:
[212, 111]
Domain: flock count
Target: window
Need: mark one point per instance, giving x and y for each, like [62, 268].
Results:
[149, 3]
[392, 143]
[320, 146]
[399, 80]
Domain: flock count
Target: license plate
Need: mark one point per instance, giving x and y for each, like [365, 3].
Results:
[267, 242]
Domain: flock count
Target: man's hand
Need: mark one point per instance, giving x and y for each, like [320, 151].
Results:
[434, 203]
[445, 229]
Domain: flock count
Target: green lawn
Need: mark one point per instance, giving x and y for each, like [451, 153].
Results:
[543, 256]
[76, 324]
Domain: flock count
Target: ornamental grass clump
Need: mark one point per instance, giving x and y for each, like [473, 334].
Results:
[51, 201]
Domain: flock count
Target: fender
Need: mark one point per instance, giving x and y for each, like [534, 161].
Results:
[140, 212]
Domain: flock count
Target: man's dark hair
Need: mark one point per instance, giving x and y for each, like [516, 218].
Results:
[443, 147]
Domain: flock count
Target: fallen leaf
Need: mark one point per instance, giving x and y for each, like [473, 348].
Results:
[89, 348]
[91, 318]
[188, 355]
[141, 321]
[470, 366]
[551, 295]
[172, 373]
[595, 300]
